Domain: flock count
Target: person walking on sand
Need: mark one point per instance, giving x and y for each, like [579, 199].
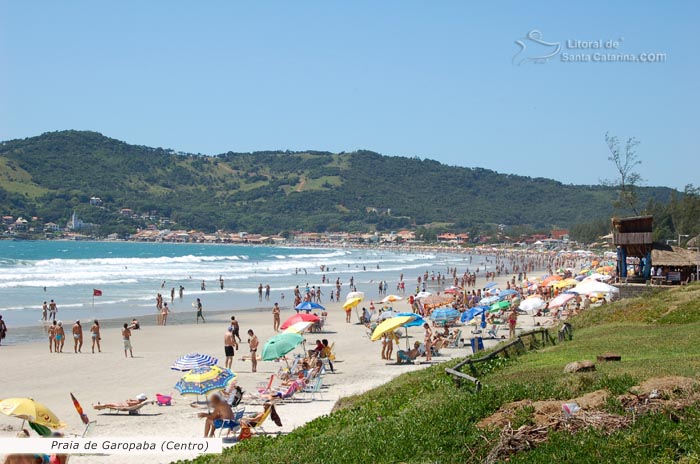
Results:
[253, 343]
[199, 311]
[52, 336]
[3, 329]
[52, 310]
[95, 333]
[512, 322]
[164, 314]
[228, 347]
[126, 338]
[45, 312]
[236, 330]
[60, 337]
[77, 337]
[276, 317]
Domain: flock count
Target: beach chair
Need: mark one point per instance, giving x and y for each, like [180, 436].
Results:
[131, 410]
[258, 427]
[453, 342]
[264, 388]
[232, 424]
[315, 388]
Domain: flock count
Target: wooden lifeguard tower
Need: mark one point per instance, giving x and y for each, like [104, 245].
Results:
[633, 238]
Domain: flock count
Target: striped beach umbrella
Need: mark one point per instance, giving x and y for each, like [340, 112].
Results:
[202, 380]
[193, 361]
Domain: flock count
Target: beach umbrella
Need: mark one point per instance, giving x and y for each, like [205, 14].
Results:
[299, 318]
[391, 299]
[280, 344]
[309, 306]
[452, 290]
[193, 361]
[561, 300]
[499, 306]
[488, 301]
[298, 327]
[30, 410]
[202, 380]
[565, 283]
[490, 285]
[351, 302]
[420, 295]
[386, 315]
[444, 314]
[390, 325]
[507, 293]
[598, 276]
[593, 286]
[416, 322]
[471, 313]
[351, 295]
[531, 305]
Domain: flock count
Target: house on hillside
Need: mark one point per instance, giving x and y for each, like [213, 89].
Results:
[52, 227]
[75, 223]
[7, 220]
[95, 201]
[560, 234]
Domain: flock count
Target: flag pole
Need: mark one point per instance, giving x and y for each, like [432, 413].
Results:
[93, 299]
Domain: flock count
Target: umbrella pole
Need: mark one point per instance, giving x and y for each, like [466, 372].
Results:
[22, 426]
[406, 338]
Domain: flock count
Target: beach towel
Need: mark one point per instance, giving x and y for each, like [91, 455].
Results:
[275, 417]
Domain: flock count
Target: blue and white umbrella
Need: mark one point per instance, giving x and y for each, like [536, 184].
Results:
[506, 293]
[309, 306]
[488, 301]
[444, 314]
[471, 313]
[193, 361]
[490, 285]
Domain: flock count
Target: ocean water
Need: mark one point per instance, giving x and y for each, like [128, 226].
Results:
[131, 274]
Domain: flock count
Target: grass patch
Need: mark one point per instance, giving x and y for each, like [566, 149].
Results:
[423, 417]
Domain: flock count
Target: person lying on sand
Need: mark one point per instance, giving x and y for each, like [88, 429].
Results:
[221, 411]
[125, 405]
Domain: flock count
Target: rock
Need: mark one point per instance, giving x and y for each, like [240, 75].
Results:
[579, 366]
[665, 386]
[607, 357]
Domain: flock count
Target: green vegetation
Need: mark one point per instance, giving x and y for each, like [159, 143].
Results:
[271, 191]
[424, 417]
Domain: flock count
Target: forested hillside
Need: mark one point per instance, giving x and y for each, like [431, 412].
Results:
[271, 191]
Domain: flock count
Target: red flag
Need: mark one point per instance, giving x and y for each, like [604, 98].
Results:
[79, 408]
[96, 292]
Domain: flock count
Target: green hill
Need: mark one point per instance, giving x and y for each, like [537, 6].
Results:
[270, 191]
[423, 416]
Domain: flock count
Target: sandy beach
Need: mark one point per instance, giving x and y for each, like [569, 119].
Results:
[31, 371]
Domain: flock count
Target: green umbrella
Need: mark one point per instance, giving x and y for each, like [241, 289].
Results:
[280, 344]
[498, 306]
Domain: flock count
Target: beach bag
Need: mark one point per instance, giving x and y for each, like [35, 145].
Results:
[244, 434]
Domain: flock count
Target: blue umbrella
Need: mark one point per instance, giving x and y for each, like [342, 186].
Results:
[490, 285]
[418, 321]
[488, 301]
[507, 293]
[444, 314]
[309, 306]
[193, 361]
[471, 313]
[202, 380]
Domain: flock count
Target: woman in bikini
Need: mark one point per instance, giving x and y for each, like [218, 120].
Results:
[52, 336]
[95, 332]
[60, 337]
[428, 341]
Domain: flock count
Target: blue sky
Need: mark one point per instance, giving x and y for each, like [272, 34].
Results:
[427, 79]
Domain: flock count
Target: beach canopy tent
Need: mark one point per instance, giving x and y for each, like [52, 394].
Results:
[309, 306]
[202, 380]
[193, 361]
[29, 410]
[299, 318]
[280, 345]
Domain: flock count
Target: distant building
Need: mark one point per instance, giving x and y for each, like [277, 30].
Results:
[7, 220]
[95, 201]
[21, 224]
[51, 227]
[560, 234]
[75, 223]
[126, 212]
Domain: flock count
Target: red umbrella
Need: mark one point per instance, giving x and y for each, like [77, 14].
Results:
[301, 317]
[79, 408]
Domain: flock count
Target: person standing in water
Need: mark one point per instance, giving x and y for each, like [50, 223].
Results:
[221, 282]
[3, 329]
[164, 314]
[199, 311]
[95, 333]
[126, 338]
[172, 295]
[45, 312]
[77, 337]
[52, 310]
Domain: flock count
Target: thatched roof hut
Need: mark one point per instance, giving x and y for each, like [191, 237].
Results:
[673, 256]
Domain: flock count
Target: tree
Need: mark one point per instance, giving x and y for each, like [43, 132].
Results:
[625, 163]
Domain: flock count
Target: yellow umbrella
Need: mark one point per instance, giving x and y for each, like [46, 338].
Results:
[566, 283]
[298, 327]
[351, 302]
[30, 410]
[390, 324]
[391, 299]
